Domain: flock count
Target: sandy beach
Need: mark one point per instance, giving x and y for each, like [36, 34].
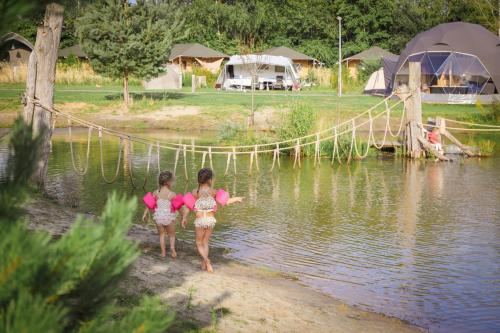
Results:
[236, 298]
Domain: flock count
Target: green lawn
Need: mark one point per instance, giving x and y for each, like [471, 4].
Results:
[221, 105]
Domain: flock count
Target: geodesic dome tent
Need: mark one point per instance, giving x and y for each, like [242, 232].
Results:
[460, 63]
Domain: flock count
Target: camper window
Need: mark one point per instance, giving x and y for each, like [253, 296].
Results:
[279, 69]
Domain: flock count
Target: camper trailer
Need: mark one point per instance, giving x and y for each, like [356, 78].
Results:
[267, 71]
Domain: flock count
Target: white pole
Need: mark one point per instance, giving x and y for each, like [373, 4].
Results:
[340, 57]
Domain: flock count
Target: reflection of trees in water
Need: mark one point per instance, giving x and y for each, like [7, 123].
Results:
[296, 184]
[411, 192]
[275, 181]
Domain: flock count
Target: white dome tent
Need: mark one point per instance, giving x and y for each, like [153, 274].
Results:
[376, 83]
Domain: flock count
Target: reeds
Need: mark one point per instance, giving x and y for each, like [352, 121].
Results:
[77, 73]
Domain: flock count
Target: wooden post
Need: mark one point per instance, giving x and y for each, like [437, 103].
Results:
[413, 129]
[41, 80]
[193, 83]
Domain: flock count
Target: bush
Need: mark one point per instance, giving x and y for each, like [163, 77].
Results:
[367, 68]
[68, 284]
[349, 83]
[235, 135]
[296, 123]
[489, 114]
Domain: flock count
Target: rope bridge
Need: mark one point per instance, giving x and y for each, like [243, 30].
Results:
[294, 146]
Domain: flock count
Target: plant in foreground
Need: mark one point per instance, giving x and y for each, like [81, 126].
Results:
[68, 284]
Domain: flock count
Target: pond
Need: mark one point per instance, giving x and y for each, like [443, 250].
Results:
[414, 240]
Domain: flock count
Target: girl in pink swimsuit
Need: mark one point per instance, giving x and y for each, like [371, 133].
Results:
[204, 208]
[163, 215]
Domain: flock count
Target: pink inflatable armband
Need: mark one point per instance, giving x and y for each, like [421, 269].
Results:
[177, 202]
[222, 197]
[189, 200]
[149, 200]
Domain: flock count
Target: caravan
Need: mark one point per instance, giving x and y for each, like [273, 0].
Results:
[264, 71]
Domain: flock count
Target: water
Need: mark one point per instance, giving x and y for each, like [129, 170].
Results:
[415, 240]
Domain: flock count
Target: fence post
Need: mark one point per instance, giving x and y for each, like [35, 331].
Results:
[413, 129]
[41, 80]
[193, 83]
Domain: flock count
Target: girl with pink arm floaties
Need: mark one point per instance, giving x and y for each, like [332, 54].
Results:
[203, 201]
[164, 204]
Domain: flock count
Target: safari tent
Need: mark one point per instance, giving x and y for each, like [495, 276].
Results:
[15, 49]
[268, 72]
[300, 60]
[372, 54]
[376, 83]
[460, 64]
[75, 51]
[190, 55]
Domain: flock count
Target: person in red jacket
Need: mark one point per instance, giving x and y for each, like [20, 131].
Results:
[434, 138]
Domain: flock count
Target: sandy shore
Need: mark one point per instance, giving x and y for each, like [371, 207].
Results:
[236, 298]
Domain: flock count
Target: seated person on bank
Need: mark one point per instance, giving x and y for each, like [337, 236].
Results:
[434, 138]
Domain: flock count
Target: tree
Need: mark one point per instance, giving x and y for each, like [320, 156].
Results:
[66, 284]
[124, 40]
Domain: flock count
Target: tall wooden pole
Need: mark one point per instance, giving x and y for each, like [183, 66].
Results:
[413, 129]
[41, 80]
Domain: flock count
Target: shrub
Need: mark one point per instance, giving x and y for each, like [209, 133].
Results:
[68, 284]
[298, 122]
[490, 113]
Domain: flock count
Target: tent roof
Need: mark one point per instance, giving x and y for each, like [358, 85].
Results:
[458, 37]
[373, 53]
[75, 50]
[194, 50]
[260, 59]
[287, 52]
[13, 36]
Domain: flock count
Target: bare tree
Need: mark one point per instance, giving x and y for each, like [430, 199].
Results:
[253, 64]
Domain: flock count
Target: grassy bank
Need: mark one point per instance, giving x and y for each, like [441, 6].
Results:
[207, 108]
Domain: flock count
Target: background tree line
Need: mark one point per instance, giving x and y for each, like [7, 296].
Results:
[310, 26]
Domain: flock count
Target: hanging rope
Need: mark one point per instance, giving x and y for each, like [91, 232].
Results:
[184, 153]
[227, 163]
[358, 154]
[80, 171]
[317, 152]
[336, 147]
[120, 148]
[470, 124]
[210, 157]
[158, 157]
[388, 112]
[177, 153]
[296, 160]
[203, 159]
[150, 153]
[234, 159]
[130, 166]
[276, 157]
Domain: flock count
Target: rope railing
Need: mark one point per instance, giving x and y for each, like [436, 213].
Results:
[180, 149]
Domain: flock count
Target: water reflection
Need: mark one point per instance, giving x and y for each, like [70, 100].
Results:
[417, 240]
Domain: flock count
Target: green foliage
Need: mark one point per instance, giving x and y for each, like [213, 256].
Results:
[124, 40]
[296, 123]
[234, 134]
[367, 68]
[349, 83]
[490, 113]
[65, 285]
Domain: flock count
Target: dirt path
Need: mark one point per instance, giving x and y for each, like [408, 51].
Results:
[236, 298]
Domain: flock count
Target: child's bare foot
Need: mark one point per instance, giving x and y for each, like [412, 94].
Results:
[173, 254]
[163, 254]
[203, 265]
[209, 266]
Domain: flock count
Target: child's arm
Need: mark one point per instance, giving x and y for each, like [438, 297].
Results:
[145, 214]
[184, 213]
[234, 200]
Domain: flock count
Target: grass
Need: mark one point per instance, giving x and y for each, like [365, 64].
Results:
[223, 107]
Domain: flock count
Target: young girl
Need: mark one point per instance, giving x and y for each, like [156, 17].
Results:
[163, 215]
[204, 208]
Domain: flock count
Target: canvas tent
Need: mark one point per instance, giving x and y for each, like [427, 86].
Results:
[15, 49]
[75, 50]
[376, 83]
[189, 55]
[300, 60]
[371, 54]
[270, 72]
[460, 63]
[171, 79]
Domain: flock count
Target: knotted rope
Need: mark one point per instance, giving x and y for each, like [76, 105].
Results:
[80, 171]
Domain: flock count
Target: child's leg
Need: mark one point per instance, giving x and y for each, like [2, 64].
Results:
[206, 238]
[199, 245]
[161, 232]
[171, 238]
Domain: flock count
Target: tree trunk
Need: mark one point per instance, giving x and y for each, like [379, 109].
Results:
[46, 47]
[414, 113]
[126, 96]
